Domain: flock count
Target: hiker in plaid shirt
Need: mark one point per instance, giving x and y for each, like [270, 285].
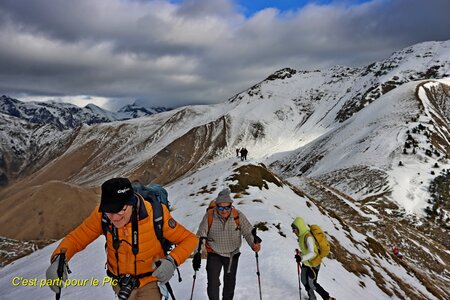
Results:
[223, 226]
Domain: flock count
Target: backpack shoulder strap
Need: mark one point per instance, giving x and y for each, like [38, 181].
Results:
[210, 212]
[158, 217]
[105, 224]
[306, 236]
[235, 213]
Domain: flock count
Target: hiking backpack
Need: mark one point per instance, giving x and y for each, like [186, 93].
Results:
[152, 191]
[323, 247]
[157, 196]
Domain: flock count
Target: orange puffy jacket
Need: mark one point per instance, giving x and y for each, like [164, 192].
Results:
[150, 248]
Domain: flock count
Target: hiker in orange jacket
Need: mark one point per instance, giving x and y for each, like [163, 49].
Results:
[137, 263]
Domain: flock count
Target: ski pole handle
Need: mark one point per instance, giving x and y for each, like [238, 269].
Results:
[256, 239]
[60, 269]
[297, 256]
[61, 262]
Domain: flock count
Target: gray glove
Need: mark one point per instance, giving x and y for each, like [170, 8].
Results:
[52, 273]
[165, 269]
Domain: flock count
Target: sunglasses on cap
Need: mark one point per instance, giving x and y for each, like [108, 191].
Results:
[221, 208]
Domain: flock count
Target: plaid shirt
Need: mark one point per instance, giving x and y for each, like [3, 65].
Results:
[224, 237]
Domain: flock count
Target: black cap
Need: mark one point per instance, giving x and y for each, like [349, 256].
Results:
[116, 193]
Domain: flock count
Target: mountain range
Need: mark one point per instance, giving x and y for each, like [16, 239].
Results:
[28, 128]
[68, 116]
[361, 151]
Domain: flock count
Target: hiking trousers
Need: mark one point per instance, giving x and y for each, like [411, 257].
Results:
[150, 291]
[309, 279]
[214, 264]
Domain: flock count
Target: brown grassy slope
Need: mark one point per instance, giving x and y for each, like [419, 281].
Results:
[47, 211]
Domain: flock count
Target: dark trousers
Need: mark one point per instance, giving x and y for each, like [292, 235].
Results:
[214, 265]
[309, 279]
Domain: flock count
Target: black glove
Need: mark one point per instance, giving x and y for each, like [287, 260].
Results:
[196, 261]
[298, 258]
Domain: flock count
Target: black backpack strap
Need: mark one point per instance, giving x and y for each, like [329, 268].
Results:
[158, 223]
[106, 223]
[158, 220]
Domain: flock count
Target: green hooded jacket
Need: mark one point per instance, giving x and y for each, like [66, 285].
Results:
[302, 235]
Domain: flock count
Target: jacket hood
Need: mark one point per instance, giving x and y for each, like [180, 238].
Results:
[300, 224]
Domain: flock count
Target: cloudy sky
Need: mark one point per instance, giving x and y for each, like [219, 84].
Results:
[181, 52]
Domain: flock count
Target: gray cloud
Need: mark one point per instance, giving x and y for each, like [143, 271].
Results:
[194, 52]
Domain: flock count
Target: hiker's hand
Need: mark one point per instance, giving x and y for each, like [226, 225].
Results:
[52, 273]
[256, 247]
[164, 269]
[298, 258]
[197, 261]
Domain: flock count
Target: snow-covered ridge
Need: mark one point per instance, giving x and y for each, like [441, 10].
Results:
[346, 90]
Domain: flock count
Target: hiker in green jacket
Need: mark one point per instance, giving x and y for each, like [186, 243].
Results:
[308, 250]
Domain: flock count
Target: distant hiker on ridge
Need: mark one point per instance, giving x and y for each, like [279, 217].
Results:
[135, 257]
[308, 250]
[223, 226]
[244, 153]
[237, 152]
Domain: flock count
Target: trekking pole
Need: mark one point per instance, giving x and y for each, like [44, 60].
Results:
[169, 289]
[195, 272]
[298, 253]
[257, 240]
[60, 270]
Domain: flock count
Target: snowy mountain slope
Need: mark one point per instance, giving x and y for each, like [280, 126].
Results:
[358, 268]
[340, 91]
[27, 147]
[385, 137]
[383, 160]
